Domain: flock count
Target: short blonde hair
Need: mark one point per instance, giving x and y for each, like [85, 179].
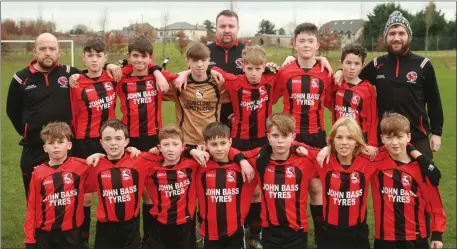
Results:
[284, 122]
[354, 131]
[56, 130]
[197, 51]
[393, 123]
[171, 131]
[254, 55]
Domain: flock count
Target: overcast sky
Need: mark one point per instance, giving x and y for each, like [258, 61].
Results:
[121, 14]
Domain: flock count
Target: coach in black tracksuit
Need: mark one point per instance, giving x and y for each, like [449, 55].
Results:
[406, 83]
[38, 94]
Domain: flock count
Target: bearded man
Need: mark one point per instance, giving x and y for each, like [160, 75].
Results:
[406, 83]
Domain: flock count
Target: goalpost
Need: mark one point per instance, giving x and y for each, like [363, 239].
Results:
[33, 41]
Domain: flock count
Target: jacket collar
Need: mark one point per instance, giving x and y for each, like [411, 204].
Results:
[406, 53]
[33, 69]
[223, 45]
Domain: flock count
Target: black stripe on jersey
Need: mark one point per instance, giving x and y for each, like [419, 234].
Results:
[381, 203]
[127, 104]
[361, 199]
[399, 208]
[43, 204]
[203, 181]
[298, 178]
[136, 181]
[239, 185]
[253, 130]
[268, 87]
[291, 100]
[416, 209]
[328, 178]
[347, 97]
[320, 105]
[189, 176]
[116, 183]
[335, 102]
[156, 111]
[142, 110]
[280, 203]
[359, 111]
[159, 195]
[218, 96]
[221, 207]
[343, 210]
[172, 213]
[101, 91]
[103, 200]
[89, 113]
[76, 183]
[304, 115]
[240, 97]
[59, 210]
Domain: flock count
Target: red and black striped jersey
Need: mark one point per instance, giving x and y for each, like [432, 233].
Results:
[172, 190]
[92, 103]
[120, 186]
[252, 104]
[305, 93]
[223, 199]
[141, 103]
[405, 203]
[56, 197]
[284, 188]
[358, 102]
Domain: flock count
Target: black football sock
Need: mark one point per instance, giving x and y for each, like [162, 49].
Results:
[147, 217]
[318, 220]
[85, 228]
[253, 221]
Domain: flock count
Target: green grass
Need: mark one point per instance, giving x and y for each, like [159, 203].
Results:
[13, 201]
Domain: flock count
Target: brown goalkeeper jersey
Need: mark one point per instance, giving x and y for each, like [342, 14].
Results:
[197, 106]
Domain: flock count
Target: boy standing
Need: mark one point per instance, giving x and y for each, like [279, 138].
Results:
[403, 199]
[55, 203]
[224, 199]
[305, 91]
[355, 98]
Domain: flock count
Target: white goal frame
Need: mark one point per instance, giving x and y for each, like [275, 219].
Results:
[33, 41]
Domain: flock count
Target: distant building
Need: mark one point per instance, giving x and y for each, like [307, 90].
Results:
[348, 31]
[192, 32]
[266, 40]
[127, 34]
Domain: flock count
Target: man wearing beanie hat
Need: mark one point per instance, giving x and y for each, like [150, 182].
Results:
[406, 83]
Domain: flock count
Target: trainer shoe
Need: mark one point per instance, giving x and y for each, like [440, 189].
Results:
[255, 244]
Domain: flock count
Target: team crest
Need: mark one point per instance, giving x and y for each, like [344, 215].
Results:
[355, 178]
[314, 83]
[335, 175]
[261, 91]
[406, 180]
[149, 84]
[411, 76]
[231, 176]
[63, 81]
[199, 93]
[180, 174]
[356, 99]
[126, 174]
[290, 172]
[67, 178]
[239, 63]
[108, 86]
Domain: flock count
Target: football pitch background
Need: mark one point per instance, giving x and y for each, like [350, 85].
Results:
[13, 205]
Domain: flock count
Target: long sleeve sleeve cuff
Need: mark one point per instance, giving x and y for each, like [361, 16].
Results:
[438, 132]
[437, 236]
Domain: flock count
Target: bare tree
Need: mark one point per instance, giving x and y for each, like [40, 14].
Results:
[103, 21]
[429, 13]
[39, 23]
[164, 17]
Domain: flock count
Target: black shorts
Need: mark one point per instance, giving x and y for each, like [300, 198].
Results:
[236, 241]
[317, 140]
[144, 143]
[352, 238]
[403, 244]
[83, 148]
[57, 239]
[248, 144]
[172, 236]
[280, 237]
[118, 235]
[31, 157]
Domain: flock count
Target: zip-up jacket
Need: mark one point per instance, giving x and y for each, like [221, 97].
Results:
[36, 98]
[229, 59]
[407, 84]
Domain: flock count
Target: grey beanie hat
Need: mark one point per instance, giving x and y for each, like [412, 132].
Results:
[396, 18]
